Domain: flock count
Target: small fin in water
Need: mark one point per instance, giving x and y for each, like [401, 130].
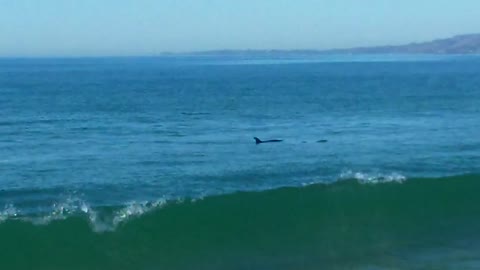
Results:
[257, 141]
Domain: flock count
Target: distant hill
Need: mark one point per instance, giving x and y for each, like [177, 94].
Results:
[462, 44]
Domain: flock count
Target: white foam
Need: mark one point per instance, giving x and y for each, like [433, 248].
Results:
[135, 209]
[9, 211]
[62, 210]
[373, 178]
[99, 221]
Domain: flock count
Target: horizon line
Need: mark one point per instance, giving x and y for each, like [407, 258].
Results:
[213, 52]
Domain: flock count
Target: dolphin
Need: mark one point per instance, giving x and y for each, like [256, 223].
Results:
[258, 141]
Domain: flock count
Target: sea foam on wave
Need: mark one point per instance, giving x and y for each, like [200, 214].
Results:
[373, 178]
[9, 211]
[101, 220]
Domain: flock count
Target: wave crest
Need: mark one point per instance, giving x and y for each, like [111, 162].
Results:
[373, 178]
[317, 225]
[9, 211]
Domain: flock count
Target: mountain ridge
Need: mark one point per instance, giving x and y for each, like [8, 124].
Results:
[459, 44]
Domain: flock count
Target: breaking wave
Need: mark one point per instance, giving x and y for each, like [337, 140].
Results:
[363, 221]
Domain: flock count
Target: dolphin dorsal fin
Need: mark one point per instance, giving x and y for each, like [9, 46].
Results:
[257, 140]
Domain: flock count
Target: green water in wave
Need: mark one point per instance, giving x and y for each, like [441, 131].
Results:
[345, 225]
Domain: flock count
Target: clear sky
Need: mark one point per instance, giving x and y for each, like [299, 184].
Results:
[149, 27]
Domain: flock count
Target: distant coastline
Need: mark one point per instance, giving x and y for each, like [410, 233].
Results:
[468, 44]
[461, 44]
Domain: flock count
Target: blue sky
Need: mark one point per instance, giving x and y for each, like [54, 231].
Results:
[148, 27]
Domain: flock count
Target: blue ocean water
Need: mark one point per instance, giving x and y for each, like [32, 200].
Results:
[78, 135]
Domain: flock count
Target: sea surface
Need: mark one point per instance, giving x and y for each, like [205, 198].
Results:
[150, 163]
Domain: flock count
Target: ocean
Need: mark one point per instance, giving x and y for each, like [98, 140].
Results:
[150, 162]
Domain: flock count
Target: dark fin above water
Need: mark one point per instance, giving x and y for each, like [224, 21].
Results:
[257, 141]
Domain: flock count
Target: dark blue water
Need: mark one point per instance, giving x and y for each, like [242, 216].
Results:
[143, 163]
[116, 131]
